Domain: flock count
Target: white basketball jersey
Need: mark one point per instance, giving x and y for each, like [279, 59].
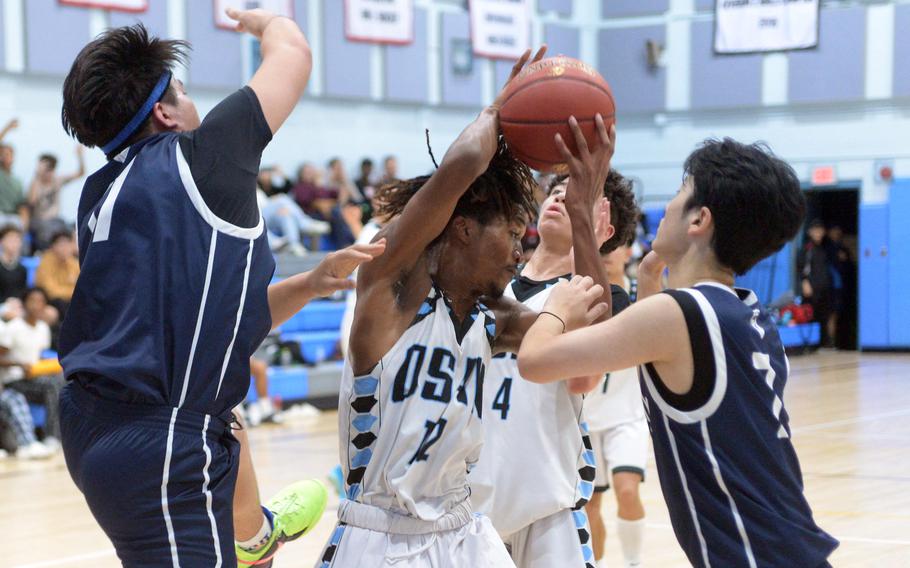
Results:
[617, 400]
[410, 429]
[536, 458]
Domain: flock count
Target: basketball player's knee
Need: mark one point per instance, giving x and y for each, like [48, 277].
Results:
[627, 496]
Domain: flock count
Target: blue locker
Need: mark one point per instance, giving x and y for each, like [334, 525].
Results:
[873, 276]
[899, 264]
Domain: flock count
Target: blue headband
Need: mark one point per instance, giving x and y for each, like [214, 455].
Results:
[140, 115]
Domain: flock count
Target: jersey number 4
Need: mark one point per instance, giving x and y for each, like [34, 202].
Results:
[501, 400]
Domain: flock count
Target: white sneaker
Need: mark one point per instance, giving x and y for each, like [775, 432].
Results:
[34, 451]
[52, 443]
[297, 249]
[3, 454]
[253, 415]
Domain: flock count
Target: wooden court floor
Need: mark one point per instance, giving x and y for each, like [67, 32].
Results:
[850, 416]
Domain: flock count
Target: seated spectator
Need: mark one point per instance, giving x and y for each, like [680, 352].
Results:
[13, 210]
[286, 222]
[15, 415]
[58, 271]
[325, 204]
[390, 170]
[273, 181]
[22, 341]
[14, 278]
[314, 198]
[367, 187]
[44, 197]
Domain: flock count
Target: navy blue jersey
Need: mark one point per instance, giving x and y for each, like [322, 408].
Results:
[172, 297]
[727, 466]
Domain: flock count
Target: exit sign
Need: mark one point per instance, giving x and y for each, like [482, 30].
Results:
[824, 175]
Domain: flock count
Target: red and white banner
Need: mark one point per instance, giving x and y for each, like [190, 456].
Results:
[379, 21]
[500, 29]
[135, 6]
[280, 7]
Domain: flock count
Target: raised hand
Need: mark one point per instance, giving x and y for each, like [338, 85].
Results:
[332, 273]
[252, 22]
[572, 302]
[587, 169]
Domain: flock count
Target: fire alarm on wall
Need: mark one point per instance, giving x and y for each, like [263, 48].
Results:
[884, 171]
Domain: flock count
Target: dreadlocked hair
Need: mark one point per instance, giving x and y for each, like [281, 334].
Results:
[504, 190]
[624, 212]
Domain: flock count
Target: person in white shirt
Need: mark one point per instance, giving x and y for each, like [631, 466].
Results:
[22, 342]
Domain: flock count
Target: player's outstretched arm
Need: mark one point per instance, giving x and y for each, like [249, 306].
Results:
[286, 62]
[588, 170]
[652, 330]
[650, 275]
[287, 297]
[429, 211]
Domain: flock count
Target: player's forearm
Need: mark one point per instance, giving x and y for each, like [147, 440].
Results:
[289, 296]
[535, 361]
[586, 251]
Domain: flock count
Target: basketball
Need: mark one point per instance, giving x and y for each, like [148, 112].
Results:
[539, 102]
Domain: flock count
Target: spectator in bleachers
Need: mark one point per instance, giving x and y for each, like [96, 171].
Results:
[390, 170]
[12, 206]
[44, 197]
[367, 186]
[15, 415]
[58, 271]
[273, 181]
[312, 196]
[22, 341]
[14, 278]
[286, 222]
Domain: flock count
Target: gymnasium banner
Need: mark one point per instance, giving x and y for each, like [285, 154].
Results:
[379, 21]
[134, 6]
[280, 7]
[500, 29]
[754, 26]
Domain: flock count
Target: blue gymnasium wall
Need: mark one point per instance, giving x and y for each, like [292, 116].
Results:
[784, 99]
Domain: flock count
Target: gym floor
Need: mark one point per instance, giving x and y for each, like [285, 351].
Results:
[850, 415]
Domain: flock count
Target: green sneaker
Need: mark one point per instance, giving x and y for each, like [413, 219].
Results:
[295, 510]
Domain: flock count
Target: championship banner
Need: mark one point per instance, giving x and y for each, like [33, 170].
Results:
[379, 21]
[134, 6]
[753, 26]
[280, 7]
[500, 29]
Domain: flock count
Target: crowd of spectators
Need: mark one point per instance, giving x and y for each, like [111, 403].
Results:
[32, 231]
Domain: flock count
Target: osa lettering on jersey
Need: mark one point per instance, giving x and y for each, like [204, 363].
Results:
[439, 375]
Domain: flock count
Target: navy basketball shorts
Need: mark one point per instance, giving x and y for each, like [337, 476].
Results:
[160, 484]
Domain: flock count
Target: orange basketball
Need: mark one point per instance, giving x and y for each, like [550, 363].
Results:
[539, 102]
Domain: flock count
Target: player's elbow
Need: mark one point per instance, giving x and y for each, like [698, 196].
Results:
[582, 385]
[531, 367]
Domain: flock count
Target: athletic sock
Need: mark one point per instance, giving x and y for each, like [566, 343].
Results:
[601, 563]
[262, 537]
[631, 534]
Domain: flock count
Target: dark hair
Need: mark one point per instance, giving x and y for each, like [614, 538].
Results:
[110, 80]
[624, 212]
[366, 162]
[7, 229]
[60, 235]
[333, 161]
[50, 159]
[34, 290]
[754, 198]
[504, 190]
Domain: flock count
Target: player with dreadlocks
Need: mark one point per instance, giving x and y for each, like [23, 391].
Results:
[411, 398]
